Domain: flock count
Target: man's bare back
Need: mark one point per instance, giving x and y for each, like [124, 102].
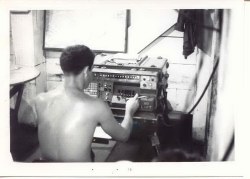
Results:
[66, 124]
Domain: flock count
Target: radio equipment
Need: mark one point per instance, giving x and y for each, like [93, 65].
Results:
[117, 79]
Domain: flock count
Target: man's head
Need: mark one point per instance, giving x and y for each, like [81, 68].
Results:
[76, 61]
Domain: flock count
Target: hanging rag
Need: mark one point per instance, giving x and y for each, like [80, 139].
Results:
[186, 23]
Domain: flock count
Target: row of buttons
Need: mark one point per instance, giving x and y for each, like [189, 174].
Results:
[126, 93]
[146, 107]
[117, 76]
[144, 79]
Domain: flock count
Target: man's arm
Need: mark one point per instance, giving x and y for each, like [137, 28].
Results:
[118, 131]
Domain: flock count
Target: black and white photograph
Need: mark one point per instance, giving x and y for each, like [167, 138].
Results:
[118, 85]
[124, 86]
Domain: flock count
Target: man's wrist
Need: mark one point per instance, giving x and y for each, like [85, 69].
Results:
[128, 114]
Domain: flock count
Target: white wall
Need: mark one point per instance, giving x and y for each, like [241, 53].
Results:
[146, 25]
[230, 89]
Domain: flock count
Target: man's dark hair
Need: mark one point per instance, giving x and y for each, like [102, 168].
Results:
[74, 58]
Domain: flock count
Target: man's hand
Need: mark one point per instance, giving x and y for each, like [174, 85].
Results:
[120, 132]
[132, 105]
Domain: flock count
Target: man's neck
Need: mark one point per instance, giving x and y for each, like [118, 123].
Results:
[72, 89]
[73, 86]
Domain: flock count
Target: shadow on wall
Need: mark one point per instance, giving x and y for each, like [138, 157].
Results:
[194, 83]
[204, 36]
[205, 31]
[208, 41]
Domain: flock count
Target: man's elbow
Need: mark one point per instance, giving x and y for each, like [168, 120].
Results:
[125, 137]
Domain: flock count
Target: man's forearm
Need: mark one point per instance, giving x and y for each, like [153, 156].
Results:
[127, 123]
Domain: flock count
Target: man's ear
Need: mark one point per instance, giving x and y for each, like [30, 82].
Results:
[85, 70]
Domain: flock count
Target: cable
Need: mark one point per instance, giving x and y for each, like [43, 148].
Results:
[206, 87]
[229, 149]
[164, 118]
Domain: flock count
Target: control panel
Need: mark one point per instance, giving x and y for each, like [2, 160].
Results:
[116, 83]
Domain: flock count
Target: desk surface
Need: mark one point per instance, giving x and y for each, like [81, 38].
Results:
[23, 75]
[99, 132]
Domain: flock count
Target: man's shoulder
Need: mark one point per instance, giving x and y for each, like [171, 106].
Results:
[96, 102]
[45, 96]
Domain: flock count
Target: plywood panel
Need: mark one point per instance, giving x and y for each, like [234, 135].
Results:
[38, 27]
[23, 40]
[27, 38]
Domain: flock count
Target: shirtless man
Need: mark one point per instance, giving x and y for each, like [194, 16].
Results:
[66, 117]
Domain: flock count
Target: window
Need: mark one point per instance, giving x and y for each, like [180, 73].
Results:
[101, 30]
